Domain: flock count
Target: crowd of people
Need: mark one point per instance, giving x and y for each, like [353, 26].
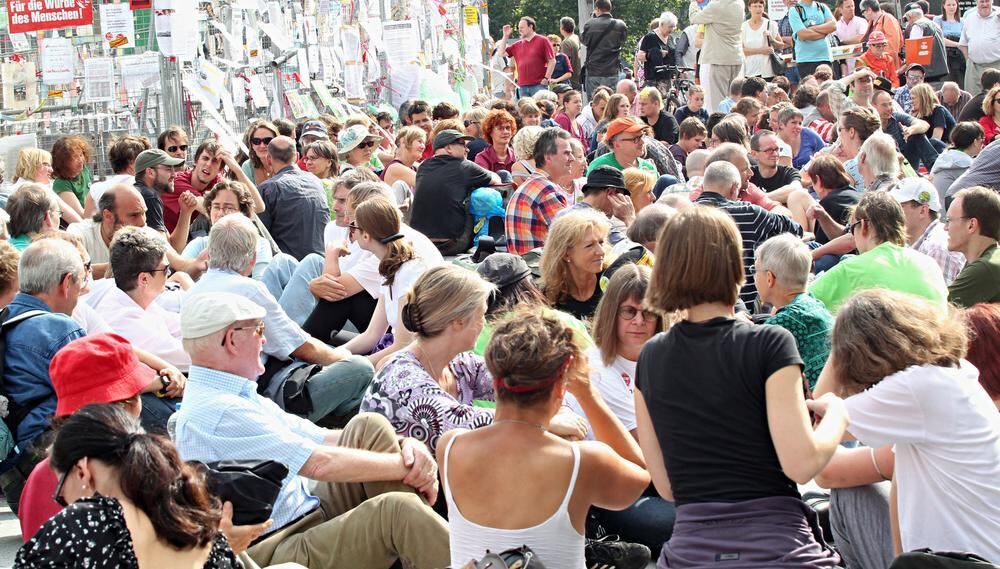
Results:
[569, 322]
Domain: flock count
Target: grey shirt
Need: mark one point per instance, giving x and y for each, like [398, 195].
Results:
[296, 211]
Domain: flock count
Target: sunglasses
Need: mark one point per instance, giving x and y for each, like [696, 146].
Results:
[849, 230]
[175, 148]
[258, 141]
[351, 228]
[57, 496]
[367, 144]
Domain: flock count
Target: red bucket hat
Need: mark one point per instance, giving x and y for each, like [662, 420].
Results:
[96, 369]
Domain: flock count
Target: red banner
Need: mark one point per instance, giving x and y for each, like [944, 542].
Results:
[34, 15]
[140, 4]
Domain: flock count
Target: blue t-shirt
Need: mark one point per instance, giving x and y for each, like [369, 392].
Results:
[811, 144]
[802, 16]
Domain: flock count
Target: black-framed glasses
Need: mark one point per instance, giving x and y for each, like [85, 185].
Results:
[161, 269]
[176, 147]
[88, 266]
[57, 496]
[630, 312]
[849, 230]
[258, 141]
[352, 227]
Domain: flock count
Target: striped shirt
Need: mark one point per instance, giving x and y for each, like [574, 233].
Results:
[756, 225]
[223, 418]
[530, 212]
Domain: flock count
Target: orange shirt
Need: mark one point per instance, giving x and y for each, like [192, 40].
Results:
[894, 34]
[882, 66]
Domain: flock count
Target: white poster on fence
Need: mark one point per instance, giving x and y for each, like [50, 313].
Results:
[177, 31]
[20, 87]
[354, 86]
[776, 9]
[57, 61]
[117, 26]
[98, 80]
[400, 40]
[140, 71]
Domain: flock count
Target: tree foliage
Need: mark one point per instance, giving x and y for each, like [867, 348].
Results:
[635, 13]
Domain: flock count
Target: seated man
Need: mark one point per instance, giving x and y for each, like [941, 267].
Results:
[692, 137]
[445, 183]
[337, 389]
[924, 231]
[909, 133]
[33, 210]
[365, 510]
[538, 199]
[606, 192]
[629, 141]
[296, 211]
[777, 180]
[52, 275]
[973, 225]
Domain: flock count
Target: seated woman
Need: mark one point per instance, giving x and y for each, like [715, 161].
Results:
[856, 125]
[376, 228]
[835, 188]
[927, 107]
[621, 327]
[499, 127]
[524, 145]
[535, 361]
[567, 118]
[401, 173]
[139, 264]
[900, 360]
[129, 500]
[320, 158]
[573, 261]
[967, 141]
[733, 480]
[781, 272]
[34, 165]
[356, 146]
[257, 137]
[804, 142]
[223, 199]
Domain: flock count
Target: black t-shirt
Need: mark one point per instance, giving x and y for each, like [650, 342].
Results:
[703, 384]
[941, 118]
[475, 147]
[973, 110]
[440, 200]
[665, 129]
[582, 309]
[154, 206]
[838, 204]
[658, 54]
[784, 176]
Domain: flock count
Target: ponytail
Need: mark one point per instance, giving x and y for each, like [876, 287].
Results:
[400, 251]
[151, 473]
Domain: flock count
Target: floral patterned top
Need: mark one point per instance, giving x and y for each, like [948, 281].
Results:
[92, 533]
[418, 407]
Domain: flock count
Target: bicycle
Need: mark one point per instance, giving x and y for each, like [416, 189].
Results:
[676, 97]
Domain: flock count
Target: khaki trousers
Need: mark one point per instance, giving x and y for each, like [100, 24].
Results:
[367, 524]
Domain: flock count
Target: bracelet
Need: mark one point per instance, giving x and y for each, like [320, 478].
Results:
[875, 463]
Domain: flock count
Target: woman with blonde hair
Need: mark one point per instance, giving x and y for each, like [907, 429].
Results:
[900, 359]
[640, 187]
[376, 228]
[411, 141]
[927, 107]
[573, 261]
[734, 481]
[256, 138]
[524, 145]
[539, 488]
[34, 165]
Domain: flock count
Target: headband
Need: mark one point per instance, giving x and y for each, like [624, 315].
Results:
[533, 387]
[391, 238]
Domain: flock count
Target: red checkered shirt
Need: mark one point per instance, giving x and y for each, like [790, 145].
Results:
[530, 211]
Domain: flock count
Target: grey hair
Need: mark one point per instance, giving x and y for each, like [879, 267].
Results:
[668, 19]
[135, 250]
[649, 222]
[879, 151]
[546, 144]
[4, 220]
[788, 113]
[788, 258]
[726, 152]
[27, 208]
[45, 263]
[232, 244]
[696, 161]
[720, 177]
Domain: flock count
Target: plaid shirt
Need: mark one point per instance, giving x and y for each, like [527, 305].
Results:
[530, 211]
[934, 244]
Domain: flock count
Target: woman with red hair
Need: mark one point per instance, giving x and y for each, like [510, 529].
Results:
[983, 321]
[499, 127]
[71, 158]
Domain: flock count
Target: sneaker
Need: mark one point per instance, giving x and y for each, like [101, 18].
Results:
[610, 553]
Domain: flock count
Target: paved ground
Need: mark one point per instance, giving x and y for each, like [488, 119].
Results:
[10, 536]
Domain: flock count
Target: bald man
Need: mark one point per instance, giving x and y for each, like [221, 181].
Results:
[296, 210]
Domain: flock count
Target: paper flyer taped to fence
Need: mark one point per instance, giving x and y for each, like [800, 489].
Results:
[98, 80]
[57, 57]
[20, 87]
[117, 26]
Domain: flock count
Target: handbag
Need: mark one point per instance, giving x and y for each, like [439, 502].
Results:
[928, 559]
[251, 485]
[777, 62]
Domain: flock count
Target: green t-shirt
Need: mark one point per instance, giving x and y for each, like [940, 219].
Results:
[579, 330]
[886, 266]
[811, 324]
[979, 281]
[609, 160]
[79, 185]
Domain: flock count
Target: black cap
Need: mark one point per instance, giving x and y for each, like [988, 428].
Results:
[605, 177]
[913, 6]
[560, 88]
[449, 136]
[916, 66]
[503, 269]
[883, 84]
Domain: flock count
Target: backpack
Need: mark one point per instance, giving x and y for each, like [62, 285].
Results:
[11, 412]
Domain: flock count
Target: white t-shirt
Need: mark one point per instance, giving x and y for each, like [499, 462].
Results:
[616, 383]
[405, 277]
[363, 266]
[946, 433]
[333, 233]
[97, 190]
[758, 65]
[981, 36]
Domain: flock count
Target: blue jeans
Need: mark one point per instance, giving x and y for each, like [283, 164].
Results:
[918, 149]
[156, 411]
[287, 279]
[664, 182]
[338, 389]
[528, 90]
[649, 521]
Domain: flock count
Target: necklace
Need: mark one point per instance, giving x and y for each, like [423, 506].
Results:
[538, 426]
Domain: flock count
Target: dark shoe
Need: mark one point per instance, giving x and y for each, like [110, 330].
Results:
[609, 553]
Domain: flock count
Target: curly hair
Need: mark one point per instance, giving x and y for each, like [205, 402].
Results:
[494, 119]
[564, 234]
[243, 197]
[63, 152]
[879, 332]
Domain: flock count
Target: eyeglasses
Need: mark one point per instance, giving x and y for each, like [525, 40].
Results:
[773, 150]
[946, 219]
[630, 312]
[849, 230]
[176, 147]
[226, 209]
[258, 330]
[635, 139]
[159, 270]
[914, 77]
[367, 144]
[470, 123]
[258, 141]
[57, 496]
[351, 228]
[88, 266]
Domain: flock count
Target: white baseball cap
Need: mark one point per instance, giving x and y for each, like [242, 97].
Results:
[917, 190]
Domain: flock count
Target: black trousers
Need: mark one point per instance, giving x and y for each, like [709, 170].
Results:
[330, 317]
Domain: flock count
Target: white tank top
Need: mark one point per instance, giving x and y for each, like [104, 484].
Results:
[555, 541]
